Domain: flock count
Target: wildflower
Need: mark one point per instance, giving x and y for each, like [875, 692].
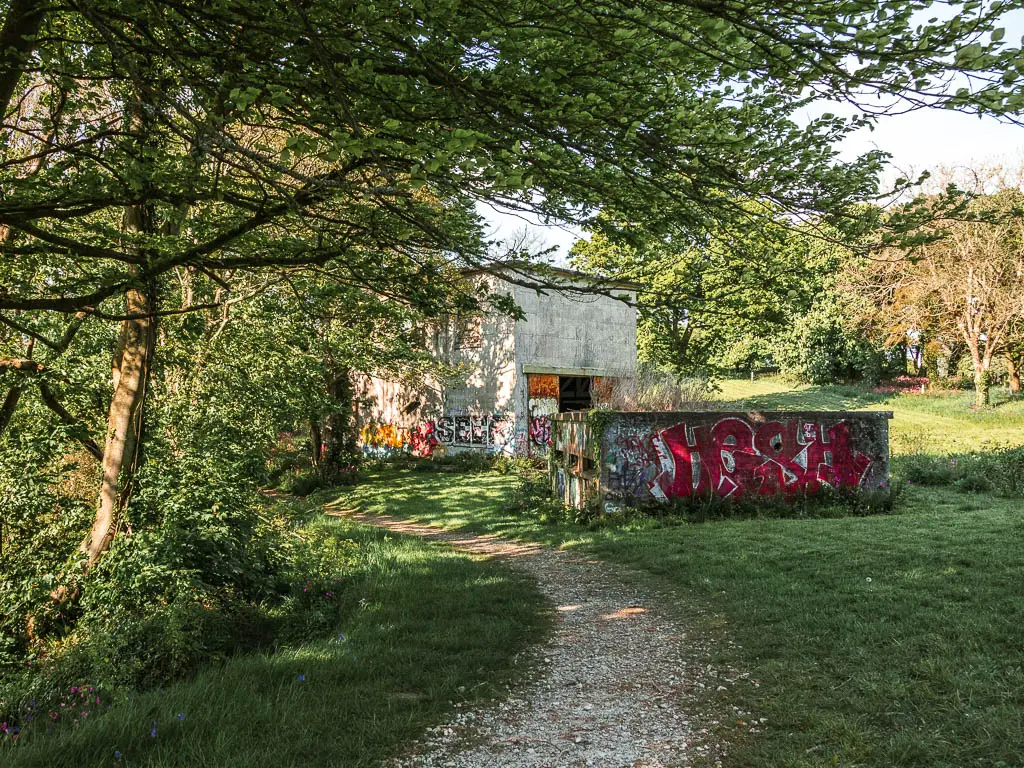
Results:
[868, 579]
[3, 728]
[117, 754]
[301, 678]
[152, 733]
[181, 716]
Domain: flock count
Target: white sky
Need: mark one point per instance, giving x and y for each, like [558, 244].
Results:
[918, 141]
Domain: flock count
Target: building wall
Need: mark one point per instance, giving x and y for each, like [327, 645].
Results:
[576, 332]
[487, 403]
[568, 334]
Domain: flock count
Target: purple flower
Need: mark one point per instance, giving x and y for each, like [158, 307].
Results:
[301, 678]
[117, 754]
[181, 716]
[152, 733]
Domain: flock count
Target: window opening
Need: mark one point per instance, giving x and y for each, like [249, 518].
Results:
[574, 393]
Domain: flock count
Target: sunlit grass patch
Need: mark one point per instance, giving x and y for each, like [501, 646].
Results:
[889, 640]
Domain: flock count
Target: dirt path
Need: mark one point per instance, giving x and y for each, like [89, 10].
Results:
[616, 684]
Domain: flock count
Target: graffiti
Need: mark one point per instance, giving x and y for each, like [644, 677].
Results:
[541, 410]
[636, 464]
[494, 432]
[735, 458]
[424, 439]
[543, 386]
[381, 440]
[540, 431]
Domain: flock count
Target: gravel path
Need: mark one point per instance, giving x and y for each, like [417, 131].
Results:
[616, 685]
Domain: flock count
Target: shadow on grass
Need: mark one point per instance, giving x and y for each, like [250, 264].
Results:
[833, 398]
[428, 626]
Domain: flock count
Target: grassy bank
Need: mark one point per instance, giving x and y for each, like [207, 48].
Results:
[939, 423]
[425, 626]
[890, 640]
[885, 640]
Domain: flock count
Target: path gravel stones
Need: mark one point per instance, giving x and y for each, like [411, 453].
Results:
[616, 683]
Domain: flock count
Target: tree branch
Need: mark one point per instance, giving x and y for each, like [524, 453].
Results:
[62, 413]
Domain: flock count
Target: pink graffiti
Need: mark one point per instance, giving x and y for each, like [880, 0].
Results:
[540, 430]
[424, 440]
[733, 458]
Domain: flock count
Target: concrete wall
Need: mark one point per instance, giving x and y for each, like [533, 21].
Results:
[569, 334]
[576, 332]
[640, 458]
[487, 403]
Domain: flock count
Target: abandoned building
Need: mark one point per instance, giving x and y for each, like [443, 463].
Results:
[511, 375]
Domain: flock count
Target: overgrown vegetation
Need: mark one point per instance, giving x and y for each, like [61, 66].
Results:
[368, 662]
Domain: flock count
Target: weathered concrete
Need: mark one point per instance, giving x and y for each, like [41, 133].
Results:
[501, 398]
[621, 458]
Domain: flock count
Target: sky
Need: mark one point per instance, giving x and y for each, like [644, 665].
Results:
[918, 141]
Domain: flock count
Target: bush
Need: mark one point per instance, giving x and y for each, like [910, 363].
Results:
[999, 471]
[652, 389]
[463, 461]
[822, 347]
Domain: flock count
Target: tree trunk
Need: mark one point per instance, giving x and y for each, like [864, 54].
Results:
[982, 386]
[10, 404]
[982, 383]
[1013, 371]
[956, 352]
[124, 423]
[339, 436]
[316, 441]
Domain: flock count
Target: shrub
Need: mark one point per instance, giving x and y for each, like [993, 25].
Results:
[654, 390]
[999, 471]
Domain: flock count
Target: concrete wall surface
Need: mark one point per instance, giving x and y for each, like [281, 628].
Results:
[487, 402]
[576, 333]
[640, 458]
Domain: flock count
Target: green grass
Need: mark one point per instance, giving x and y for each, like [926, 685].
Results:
[934, 423]
[889, 640]
[428, 626]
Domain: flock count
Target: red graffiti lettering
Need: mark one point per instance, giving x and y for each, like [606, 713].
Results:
[540, 430]
[733, 458]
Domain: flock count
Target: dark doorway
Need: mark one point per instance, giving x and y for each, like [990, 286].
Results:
[574, 393]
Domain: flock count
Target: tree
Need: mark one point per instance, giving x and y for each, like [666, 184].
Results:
[718, 303]
[963, 283]
[1013, 354]
[226, 146]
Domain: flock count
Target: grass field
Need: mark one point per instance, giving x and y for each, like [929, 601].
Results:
[890, 640]
[935, 423]
[428, 626]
